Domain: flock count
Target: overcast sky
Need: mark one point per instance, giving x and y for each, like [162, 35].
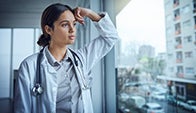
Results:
[143, 22]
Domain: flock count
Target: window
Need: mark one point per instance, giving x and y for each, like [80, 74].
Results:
[178, 43]
[189, 70]
[187, 24]
[177, 14]
[189, 54]
[5, 45]
[177, 29]
[186, 9]
[195, 21]
[16, 44]
[194, 6]
[155, 54]
[176, 3]
[188, 39]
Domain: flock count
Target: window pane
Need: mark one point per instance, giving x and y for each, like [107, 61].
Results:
[5, 45]
[156, 59]
[38, 32]
[23, 45]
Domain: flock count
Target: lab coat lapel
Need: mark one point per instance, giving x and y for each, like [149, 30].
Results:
[86, 95]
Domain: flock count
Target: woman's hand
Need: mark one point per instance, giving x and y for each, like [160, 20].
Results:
[80, 13]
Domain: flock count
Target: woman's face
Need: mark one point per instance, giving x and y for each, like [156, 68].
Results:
[64, 31]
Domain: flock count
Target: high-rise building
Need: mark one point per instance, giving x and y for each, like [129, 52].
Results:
[180, 22]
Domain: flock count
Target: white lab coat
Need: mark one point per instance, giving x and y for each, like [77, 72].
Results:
[25, 102]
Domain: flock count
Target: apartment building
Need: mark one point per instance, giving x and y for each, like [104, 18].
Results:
[180, 22]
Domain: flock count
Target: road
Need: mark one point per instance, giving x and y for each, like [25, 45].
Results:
[169, 108]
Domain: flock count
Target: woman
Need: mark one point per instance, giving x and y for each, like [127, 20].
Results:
[65, 77]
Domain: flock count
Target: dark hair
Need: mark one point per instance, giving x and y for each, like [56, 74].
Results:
[49, 16]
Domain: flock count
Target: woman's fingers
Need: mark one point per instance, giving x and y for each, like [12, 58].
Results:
[78, 15]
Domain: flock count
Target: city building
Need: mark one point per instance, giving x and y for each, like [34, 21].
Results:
[180, 22]
[146, 51]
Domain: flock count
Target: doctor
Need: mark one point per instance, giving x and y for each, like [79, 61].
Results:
[64, 73]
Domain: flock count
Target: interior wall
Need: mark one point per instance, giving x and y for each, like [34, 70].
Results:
[23, 13]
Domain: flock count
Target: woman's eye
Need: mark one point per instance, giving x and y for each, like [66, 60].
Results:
[64, 25]
[75, 24]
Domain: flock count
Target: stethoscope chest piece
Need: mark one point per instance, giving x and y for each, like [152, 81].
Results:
[37, 89]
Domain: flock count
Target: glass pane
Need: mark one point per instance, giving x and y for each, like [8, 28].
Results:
[23, 45]
[156, 71]
[38, 32]
[5, 45]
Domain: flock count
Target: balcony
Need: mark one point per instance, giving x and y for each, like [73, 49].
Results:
[177, 18]
[178, 60]
[180, 75]
[177, 32]
[179, 46]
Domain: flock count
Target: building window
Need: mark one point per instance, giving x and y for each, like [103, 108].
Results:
[180, 72]
[187, 24]
[189, 70]
[177, 14]
[176, 3]
[194, 6]
[179, 57]
[177, 29]
[189, 54]
[187, 39]
[186, 9]
[178, 43]
[180, 91]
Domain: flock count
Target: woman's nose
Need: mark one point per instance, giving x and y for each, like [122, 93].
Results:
[71, 28]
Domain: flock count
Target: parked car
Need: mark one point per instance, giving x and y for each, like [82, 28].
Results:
[158, 95]
[181, 104]
[136, 101]
[123, 97]
[171, 99]
[190, 105]
[152, 108]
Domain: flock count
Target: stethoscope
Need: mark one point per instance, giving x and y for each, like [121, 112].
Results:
[37, 88]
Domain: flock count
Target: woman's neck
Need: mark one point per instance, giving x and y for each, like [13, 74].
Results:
[57, 52]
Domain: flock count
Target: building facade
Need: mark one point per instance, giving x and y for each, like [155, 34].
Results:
[180, 22]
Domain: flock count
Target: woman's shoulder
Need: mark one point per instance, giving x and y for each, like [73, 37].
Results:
[30, 59]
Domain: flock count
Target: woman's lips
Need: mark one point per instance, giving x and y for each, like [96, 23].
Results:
[72, 37]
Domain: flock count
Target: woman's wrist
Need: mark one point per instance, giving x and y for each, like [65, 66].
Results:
[94, 16]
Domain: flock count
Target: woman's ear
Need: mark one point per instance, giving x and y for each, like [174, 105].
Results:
[48, 29]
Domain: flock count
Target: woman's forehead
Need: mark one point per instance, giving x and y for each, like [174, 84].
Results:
[66, 15]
